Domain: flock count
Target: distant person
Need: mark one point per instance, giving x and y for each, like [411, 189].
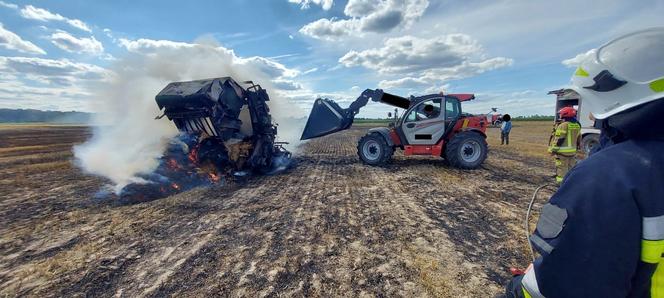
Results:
[564, 142]
[505, 129]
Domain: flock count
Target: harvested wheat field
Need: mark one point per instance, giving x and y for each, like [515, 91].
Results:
[330, 227]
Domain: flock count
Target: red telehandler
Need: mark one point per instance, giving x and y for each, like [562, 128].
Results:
[432, 125]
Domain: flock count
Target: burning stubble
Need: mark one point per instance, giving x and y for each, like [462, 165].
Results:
[128, 143]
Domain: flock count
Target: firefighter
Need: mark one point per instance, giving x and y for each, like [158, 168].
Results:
[564, 142]
[602, 233]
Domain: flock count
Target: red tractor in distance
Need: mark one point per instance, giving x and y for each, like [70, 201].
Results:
[431, 125]
[494, 118]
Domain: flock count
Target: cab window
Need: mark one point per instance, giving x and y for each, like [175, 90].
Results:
[428, 109]
[451, 108]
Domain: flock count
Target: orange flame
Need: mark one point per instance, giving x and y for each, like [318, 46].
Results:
[193, 154]
[172, 164]
[214, 178]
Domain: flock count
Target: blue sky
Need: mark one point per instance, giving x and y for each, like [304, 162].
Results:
[54, 54]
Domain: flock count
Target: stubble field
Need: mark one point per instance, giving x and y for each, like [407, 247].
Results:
[330, 227]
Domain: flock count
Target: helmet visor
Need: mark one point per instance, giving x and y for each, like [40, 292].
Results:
[637, 57]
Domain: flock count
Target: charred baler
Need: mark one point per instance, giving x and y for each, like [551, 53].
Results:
[231, 125]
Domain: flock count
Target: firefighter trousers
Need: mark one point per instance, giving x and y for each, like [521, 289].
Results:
[563, 164]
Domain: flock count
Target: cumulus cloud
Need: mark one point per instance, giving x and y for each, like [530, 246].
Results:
[9, 40]
[150, 45]
[576, 60]
[439, 75]
[330, 29]
[8, 5]
[38, 83]
[69, 43]
[40, 14]
[286, 85]
[368, 16]
[305, 4]
[409, 53]
[59, 72]
[263, 65]
[424, 62]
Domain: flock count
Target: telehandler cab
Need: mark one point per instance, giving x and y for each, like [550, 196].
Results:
[431, 125]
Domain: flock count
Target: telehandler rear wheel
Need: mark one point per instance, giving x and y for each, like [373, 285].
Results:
[466, 150]
[374, 150]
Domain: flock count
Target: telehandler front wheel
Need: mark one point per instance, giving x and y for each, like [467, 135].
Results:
[374, 150]
[466, 150]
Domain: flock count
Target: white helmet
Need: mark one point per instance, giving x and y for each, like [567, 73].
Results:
[624, 73]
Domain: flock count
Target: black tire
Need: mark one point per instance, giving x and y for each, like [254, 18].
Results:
[588, 142]
[466, 150]
[374, 150]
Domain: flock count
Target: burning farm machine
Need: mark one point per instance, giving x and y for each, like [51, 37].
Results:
[224, 126]
[431, 125]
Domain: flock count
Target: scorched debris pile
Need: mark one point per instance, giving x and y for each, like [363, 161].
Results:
[232, 125]
[225, 129]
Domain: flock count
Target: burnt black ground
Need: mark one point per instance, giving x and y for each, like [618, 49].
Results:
[330, 227]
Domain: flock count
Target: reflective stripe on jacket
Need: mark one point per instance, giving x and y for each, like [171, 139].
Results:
[602, 233]
[564, 139]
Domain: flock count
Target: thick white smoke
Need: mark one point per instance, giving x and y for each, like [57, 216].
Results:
[127, 141]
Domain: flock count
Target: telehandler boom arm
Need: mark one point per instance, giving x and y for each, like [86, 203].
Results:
[328, 117]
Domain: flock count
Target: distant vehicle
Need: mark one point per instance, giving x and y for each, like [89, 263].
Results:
[589, 134]
[493, 118]
[431, 125]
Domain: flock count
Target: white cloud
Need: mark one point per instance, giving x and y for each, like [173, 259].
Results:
[39, 83]
[576, 60]
[11, 41]
[330, 29]
[368, 16]
[421, 62]
[286, 85]
[69, 43]
[439, 75]
[8, 5]
[305, 4]
[147, 45]
[60, 72]
[268, 66]
[407, 83]
[263, 65]
[40, 14]
[308, 71]
[409, 53]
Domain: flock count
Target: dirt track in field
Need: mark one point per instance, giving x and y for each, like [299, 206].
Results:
[331, 227]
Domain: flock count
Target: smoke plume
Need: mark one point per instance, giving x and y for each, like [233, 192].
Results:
[127, 141]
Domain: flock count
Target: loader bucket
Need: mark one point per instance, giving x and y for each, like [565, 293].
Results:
[326, 117]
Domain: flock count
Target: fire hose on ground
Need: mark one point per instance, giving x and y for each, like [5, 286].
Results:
[527, 219]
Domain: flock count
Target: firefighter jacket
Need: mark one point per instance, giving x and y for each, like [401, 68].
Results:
[602, 233]
[565, 138]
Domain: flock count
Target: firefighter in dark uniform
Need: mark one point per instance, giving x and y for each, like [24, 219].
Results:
[564, 142]
[602, 233]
